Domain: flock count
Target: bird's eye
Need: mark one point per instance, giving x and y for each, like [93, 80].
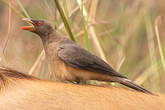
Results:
[40, 23]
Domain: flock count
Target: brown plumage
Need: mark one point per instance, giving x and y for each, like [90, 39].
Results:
[71, 63]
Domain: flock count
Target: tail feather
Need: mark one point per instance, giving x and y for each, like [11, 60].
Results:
[132, 85]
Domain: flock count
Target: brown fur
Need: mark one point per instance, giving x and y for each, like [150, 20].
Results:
[8, 76]
[24, 92]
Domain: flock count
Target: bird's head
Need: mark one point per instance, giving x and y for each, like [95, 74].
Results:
[40, 27]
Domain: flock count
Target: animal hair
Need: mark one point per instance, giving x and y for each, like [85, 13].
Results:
[8, 76]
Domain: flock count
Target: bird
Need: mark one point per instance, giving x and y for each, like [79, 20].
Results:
[69, 62]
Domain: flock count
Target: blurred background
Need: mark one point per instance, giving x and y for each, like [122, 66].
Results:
[127, 34]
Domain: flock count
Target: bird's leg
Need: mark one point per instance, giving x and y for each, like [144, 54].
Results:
[81, 82]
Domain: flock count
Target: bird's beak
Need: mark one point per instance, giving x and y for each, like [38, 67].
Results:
[29, 21]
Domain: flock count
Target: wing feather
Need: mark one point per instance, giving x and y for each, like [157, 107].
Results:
[78, 57]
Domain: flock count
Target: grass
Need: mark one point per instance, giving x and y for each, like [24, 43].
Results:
[23, 9]
[65, 20]
[124, 34]
[13, 9]
[84, 26]
[93, 33]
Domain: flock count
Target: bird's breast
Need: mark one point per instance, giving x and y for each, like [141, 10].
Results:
[57, 66]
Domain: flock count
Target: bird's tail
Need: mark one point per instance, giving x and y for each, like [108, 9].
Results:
[132, 85]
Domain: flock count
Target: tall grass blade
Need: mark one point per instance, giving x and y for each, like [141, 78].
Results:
[64, 20]
[158, 40]
[22, 8]
[8, 31]
[93, 34]
[85, 27]
[14, 10]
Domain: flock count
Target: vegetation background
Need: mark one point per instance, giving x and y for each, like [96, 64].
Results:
[128, 34]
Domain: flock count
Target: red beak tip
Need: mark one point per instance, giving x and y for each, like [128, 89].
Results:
[24, 28]
[27, 28]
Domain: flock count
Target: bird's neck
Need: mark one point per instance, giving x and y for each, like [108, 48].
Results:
[51, 38]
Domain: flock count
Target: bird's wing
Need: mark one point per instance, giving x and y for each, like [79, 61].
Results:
[78, 57]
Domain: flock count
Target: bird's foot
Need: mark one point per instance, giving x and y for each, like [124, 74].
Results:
[81, 82]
